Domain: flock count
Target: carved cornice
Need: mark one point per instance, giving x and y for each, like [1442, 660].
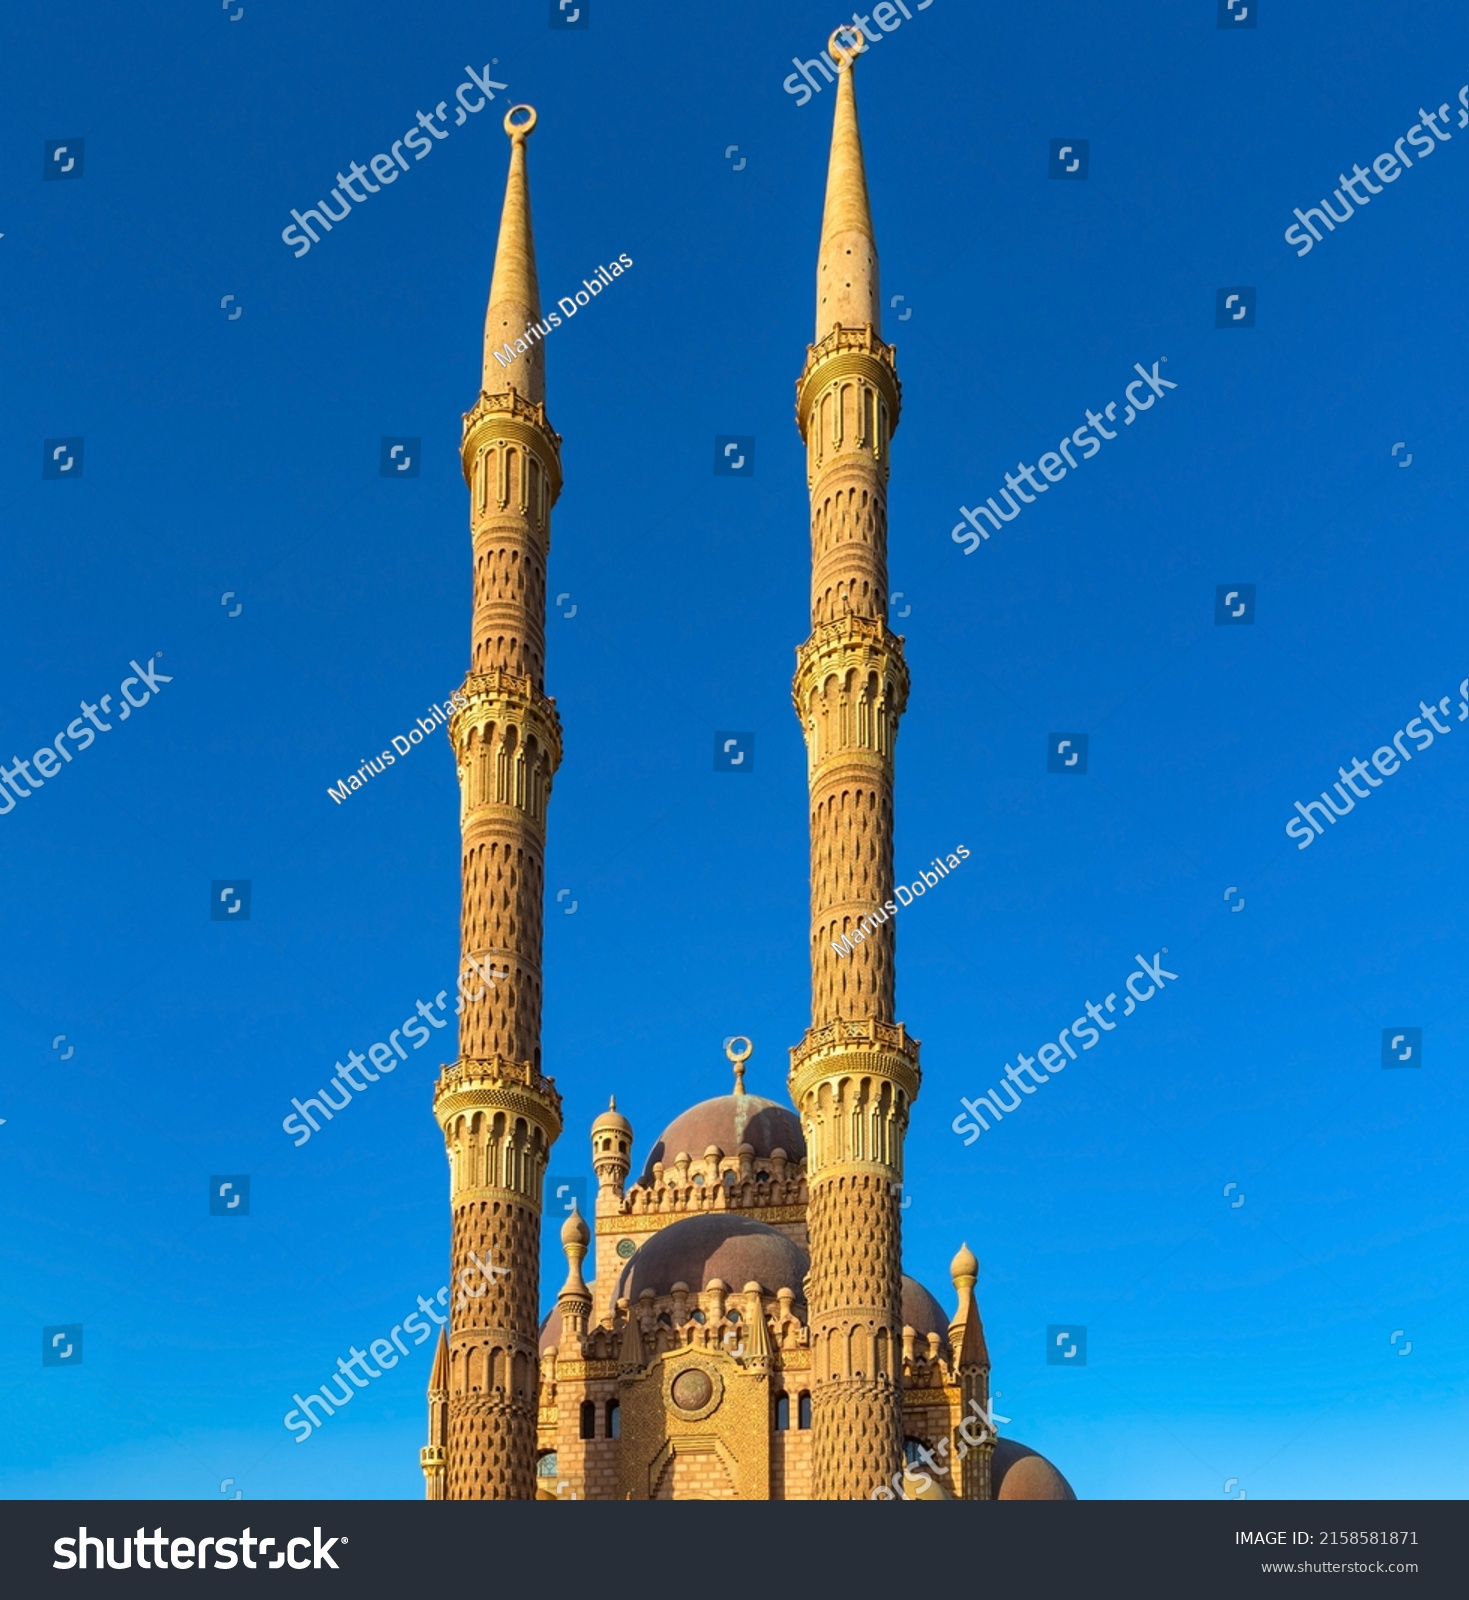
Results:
[506, 697]
[849, 352]
[846, 642]
[855, 1049]
[495, 1084]
[511, 415]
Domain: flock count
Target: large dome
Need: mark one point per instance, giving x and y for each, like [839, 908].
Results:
[729, 1120]
[1019, 1473]
[731, 1248]
[922, 1312]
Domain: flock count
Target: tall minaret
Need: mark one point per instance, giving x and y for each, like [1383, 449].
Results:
[855, 1075]
[500, 1115]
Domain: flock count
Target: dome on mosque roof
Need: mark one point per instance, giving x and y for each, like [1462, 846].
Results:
[1019, 1473]
[550, 1335]
[922, 1311]
[731, 1248]
[729, 1120]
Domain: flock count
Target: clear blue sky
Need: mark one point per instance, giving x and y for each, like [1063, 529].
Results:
[1250, 1341]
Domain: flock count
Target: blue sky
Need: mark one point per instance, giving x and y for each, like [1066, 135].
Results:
[1250, 1341]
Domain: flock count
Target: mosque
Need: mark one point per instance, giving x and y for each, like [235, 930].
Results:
[747, 1332]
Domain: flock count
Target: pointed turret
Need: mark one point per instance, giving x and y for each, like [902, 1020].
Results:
[757, 1347]
[974, 1435]
[434, 1456]
[513, 354]
[846, 268]
[966, 1331]
[575, 1300]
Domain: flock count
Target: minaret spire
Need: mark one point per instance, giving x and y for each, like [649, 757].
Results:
[855, 1075]
[499, 1113]
[515, 297]
[846, 265]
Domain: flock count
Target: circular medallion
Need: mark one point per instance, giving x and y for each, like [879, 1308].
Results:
[692, 1390]
[626, 1248]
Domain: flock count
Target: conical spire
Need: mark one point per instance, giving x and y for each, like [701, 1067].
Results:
[515, 296]
[846, 268]
[439, 1378]
[966, 1331]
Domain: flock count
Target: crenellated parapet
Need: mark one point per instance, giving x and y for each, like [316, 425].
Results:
[469, 1086]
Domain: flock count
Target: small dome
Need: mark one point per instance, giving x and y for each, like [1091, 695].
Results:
[731, 1248]
[922, 1311]
[574, 1230]
[729, 1121]
[1019, 1473]
[612, 1119]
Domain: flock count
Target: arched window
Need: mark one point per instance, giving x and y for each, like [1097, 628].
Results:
[614, 1422]
[731, 1316]
[803, 1412]
[912, 1451]
[589, 1419]
[782, 1412]
[698, 1176]
[698, 1316]
[546, 1464]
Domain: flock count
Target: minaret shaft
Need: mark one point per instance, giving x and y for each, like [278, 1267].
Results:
[855, 1075]
[499, 1114]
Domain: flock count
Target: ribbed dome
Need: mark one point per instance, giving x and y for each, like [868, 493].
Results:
[1019, 1473]
[731, 1248]
[922, 1311]
[729, 1120]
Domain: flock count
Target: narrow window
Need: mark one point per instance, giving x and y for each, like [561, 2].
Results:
[589, 1419]
[782, 1412]
[614, 1424]
[803, 1412]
